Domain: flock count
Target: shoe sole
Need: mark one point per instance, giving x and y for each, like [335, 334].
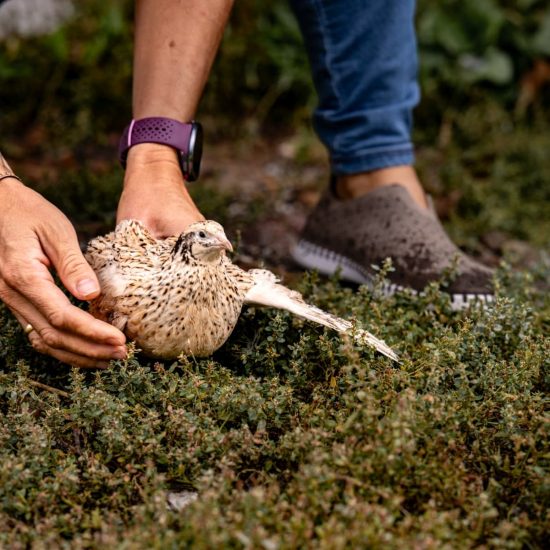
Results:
[327, 262]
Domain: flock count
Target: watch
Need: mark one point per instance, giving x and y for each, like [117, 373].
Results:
[185, 138]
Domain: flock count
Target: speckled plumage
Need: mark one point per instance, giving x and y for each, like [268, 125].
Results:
[183, 295]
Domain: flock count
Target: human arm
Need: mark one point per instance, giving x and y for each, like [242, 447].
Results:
[175, 45]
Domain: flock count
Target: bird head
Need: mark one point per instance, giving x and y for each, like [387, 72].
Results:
[205, 241]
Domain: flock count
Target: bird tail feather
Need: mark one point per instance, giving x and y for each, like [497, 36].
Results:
[267, 293]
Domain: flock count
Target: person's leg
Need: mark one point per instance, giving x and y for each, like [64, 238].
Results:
[363, 59]
[364, 65]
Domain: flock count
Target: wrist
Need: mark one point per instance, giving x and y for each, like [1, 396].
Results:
[152, 166]
[146, 154]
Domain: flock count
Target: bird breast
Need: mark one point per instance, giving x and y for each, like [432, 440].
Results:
[193, 312]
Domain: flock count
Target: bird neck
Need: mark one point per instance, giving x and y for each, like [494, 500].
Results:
[182, 248]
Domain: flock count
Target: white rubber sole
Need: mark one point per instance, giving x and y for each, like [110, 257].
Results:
[327, 262]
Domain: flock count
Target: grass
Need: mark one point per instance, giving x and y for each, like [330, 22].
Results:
[292, 437]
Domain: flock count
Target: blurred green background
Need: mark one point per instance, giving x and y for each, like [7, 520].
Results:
[482, 128]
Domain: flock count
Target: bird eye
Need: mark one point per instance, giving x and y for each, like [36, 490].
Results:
[202, 234]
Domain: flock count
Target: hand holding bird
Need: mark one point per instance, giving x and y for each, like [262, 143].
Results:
[184, 295]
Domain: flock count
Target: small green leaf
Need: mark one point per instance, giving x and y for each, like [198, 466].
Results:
[541, 39]
[495, 66]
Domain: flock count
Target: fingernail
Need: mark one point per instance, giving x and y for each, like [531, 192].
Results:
[120, 354]
[86, 287]
[115, 342]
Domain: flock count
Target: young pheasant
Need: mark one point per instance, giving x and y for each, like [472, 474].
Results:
[183, 295]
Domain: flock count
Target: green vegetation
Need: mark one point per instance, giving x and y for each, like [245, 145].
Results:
[291, 436]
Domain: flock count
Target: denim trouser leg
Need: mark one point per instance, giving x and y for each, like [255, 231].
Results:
[364, 63]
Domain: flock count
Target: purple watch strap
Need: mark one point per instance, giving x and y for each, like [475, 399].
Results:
[155, 130]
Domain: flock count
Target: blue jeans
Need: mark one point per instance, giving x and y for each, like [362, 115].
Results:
[364, 65]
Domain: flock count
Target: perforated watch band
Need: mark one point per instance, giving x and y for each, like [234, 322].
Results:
[185, 138]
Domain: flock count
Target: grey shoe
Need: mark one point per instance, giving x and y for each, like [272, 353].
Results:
[353, 235]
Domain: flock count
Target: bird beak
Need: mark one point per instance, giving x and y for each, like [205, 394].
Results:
[224, 243]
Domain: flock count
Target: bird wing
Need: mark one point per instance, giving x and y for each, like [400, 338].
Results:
[124, 252]
[266, 291]
[120, 259]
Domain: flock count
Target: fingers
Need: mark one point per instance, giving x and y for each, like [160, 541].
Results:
[57, 325]
[34, 283]
[34, 236]
[71, 266]
[61, 329]
[57, 332]
[60, 314]
[66, 357]
[73, 359]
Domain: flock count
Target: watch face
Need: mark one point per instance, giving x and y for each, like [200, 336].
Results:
[195, 153]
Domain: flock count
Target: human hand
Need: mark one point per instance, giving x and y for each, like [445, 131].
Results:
[154, 191]
[34, 237]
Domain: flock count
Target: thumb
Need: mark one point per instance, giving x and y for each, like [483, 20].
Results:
[73, 269]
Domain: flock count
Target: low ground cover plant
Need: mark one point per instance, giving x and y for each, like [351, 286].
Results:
[291, 436]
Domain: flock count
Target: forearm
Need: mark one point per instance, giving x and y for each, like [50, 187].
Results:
[175, 45]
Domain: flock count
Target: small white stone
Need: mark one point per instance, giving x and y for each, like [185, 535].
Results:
[181, 499]
[33, 17]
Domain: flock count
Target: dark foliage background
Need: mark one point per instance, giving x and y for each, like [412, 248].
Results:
[481, 128]
[468, 49]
